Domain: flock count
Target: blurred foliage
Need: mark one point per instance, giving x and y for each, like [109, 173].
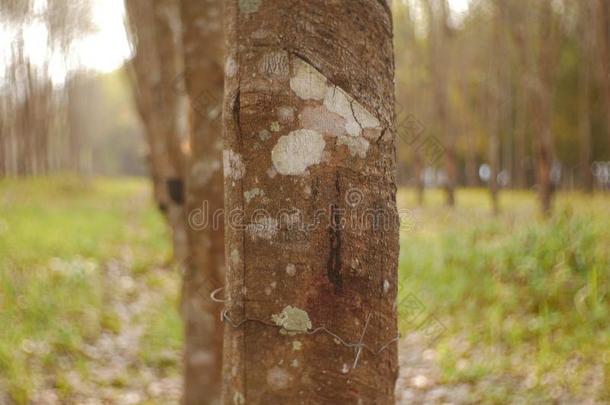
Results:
[521, 298]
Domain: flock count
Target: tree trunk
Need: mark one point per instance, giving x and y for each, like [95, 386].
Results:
[496, 84]
[584, 95]
[173, 117]
[155, 73]
[519, 168]
[439, 37]
[309, 149]
[144, 76]
[603, 18]
[204, 77]
[418, 168]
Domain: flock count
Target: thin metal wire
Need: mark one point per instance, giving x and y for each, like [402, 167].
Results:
[358, 346]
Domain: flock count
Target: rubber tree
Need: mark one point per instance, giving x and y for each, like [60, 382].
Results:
[202, 40]
[144, 72]
[587, 41]
[439, 57]
[542, 63]
[309, 152]
[602, 22]
[155, 77]
[173, 115]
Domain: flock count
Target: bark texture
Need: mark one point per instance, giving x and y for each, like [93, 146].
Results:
[309, 147]
[203, 74]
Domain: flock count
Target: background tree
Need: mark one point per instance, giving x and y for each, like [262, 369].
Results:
[204, 79]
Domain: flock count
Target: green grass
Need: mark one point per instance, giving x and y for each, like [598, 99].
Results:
[521, 298]
[56, 236]
[523, 302]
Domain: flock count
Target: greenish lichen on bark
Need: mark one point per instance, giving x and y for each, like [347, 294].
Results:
[305, 137]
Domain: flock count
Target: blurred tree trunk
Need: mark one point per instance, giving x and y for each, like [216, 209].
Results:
[418, 169]
[204, 80]
[543, 61]
[439, 37]
[144, 77]
[496, 84]
[173, 118]
[74, 123]
[519, 167]
[603, 46]
[309, 131]
[154, 76]
[584, 95]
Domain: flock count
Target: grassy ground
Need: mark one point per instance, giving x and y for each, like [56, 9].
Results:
[85, 301]
[523, 302]
[88, 306]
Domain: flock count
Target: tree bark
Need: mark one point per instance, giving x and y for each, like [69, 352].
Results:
[540, 103]
[603, 24]
[309, 147]
[144, 75]
[155, 74]
[204, 80]
[173, 116]
[439, 37]
[584, 95]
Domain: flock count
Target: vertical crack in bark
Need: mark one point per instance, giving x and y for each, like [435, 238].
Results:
[333, 266]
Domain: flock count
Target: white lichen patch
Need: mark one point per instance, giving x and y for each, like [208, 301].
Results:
[233, 166]
[295, 152]
[249, 6]
[386, 286]
[291, 269]
[307, 83]
[234, 257]
[285, 114]
[278, 378]
[271, 173]
[365, 118]
[297, 345]
[252, 193]
[323, 121]
[357, 146]
[263, 228]
[230, 67]
[260, 34]
[338, 101]
[292, 321]
[264, 135]
[345, 368]
[356, 116]
[294, 363]
[275, 64]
